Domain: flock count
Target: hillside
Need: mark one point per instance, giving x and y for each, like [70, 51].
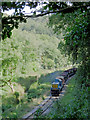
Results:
[35, 51]
[28, 58]
[32, 47]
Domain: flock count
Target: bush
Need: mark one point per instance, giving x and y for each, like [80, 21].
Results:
[38, 112]
[16, 94]
[43, 98]
[13, 116]
[75, 102]
[33, 93]
[17, 97]
[41, 87]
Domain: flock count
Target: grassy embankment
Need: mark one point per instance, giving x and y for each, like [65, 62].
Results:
[29, 92]
[74, 103]
[65, 100]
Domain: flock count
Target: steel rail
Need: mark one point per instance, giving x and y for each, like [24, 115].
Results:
[45, 104]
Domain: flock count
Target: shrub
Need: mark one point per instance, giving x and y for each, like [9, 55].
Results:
[43, 98]
[38, 112]
[17, 97]
[16, 94]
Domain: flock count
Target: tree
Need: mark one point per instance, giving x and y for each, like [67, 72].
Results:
[27, 51]
[74, 20]
[11, 22]
[76, 35]
[60, 11]
[9, 63]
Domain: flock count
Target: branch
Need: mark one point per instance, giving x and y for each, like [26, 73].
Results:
[5, 82]
[65, 10]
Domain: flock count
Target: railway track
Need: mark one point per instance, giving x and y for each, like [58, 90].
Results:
[45, 105]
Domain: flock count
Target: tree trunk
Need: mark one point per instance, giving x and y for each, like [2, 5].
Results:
[11, 86]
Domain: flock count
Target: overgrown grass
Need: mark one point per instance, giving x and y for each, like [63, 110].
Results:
[73, 105]
[69, 95]
[31, 91]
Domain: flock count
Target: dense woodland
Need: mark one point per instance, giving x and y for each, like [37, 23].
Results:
[41, 44]
[31, 48]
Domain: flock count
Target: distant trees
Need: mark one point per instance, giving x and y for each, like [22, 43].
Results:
[27, 51]
[64, 14]
[72, 18]
[11, 22]
[33, 47]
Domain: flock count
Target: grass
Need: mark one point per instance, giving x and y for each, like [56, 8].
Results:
[73, 105]
[32, 91]
[69, 95]
[64, 101]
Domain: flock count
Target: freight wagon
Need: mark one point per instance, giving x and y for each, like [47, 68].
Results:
[59, 82]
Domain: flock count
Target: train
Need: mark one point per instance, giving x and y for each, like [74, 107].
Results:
[59, 81]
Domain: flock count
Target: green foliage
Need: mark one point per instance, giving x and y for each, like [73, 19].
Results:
[11, 22]
[26, 82]
[16, 94]
[38, 113]
[34, 47]
[76, 37]
[43, 98]
[73, 103]
[75, 42]
[29, 51]
[26, 52]
[5, 107]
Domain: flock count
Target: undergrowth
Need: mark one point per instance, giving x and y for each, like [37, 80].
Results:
[74, 104]
[29, 92]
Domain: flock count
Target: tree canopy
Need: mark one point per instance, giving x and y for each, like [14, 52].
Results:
[11, 22]
[33, 46]
[71, 17]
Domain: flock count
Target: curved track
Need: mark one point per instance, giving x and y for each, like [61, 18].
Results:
[45, 106]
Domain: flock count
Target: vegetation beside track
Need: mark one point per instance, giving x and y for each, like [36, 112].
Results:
[33, 47]
[30, 92]
[28, 58]
[74, 103]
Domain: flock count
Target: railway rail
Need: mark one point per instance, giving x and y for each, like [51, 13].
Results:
[45, 105]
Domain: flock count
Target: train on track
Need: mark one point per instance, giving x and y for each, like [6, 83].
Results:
[59, 82]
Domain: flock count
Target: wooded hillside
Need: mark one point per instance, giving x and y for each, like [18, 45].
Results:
[32, 47]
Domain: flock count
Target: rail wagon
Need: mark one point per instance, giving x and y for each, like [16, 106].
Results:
[59, 82]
